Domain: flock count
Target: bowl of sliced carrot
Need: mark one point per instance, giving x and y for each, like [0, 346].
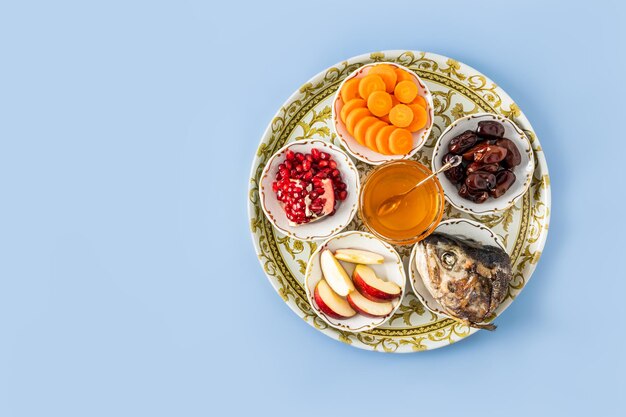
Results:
[382, 112]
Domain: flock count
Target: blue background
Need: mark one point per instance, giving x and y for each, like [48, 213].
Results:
[128, 281]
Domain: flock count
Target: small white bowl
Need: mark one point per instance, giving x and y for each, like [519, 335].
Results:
[364, 153]
[391, 270]
[322, 228]
[523, 172]
[462, 228]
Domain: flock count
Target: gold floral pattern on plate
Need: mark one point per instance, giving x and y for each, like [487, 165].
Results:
[458, 90]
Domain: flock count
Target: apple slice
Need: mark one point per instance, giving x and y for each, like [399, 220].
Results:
[358, 256]
[372, 287]
[331, 303]
[369, 307]
[334, 273]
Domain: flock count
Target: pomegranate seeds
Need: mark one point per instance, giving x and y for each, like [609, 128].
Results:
[308, 186]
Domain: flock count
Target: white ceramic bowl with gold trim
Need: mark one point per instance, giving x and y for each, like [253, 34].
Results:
[364, 153]
[324, 227]
[460, 228]
[523, 172]
[392, 269]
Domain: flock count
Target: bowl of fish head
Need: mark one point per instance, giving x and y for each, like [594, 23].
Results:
[461, 271]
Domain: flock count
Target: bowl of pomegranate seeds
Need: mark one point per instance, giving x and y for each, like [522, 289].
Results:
[309, 190]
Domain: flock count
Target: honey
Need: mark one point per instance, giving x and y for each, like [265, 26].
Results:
[418, 214]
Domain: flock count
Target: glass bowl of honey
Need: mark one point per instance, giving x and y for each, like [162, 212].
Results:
[420, 211]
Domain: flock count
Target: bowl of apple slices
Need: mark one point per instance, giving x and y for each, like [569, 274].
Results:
[355, 281]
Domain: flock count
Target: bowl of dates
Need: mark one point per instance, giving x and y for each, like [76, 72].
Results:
[497, 168]
[309, 189]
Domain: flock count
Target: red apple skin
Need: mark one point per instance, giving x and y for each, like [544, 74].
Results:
[358, 310]
[370, 292]
[325, 309]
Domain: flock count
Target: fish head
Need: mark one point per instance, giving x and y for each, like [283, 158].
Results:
[442, 255]
[468, 279]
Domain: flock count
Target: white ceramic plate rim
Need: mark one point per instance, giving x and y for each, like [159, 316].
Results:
[258, 160]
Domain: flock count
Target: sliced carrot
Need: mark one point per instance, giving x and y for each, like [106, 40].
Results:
[401, 115]
[354, 116]
[351, 105]
[388, 74]
[350, 89]
[403, 75]
[406, 91]
[361, 127]
[394, 102]
[379, 103]
[400, 142]
[421, 101]
[382, 139]
[370, 135]
[420, 117]
[369, 84]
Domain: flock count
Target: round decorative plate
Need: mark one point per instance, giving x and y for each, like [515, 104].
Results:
[458, 91]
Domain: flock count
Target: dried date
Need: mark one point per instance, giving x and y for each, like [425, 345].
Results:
[478, 181]
[470, 154]
[477, 197]
[490, 129]
[513, 157]
[492, 154]
[455, 174]
[462, 142]
[479, 166]
[504, 180]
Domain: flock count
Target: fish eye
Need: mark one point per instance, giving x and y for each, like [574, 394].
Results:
[448, 258]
